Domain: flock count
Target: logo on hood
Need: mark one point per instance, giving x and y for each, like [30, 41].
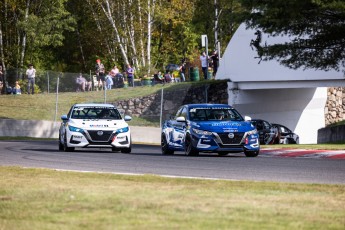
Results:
[231, 135]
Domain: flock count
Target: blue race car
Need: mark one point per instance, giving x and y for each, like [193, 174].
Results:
[209, 128]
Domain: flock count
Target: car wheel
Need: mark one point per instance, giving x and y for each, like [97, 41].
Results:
[127, 150]
[113, 149]
[251, 153]
[60, 144]
[165, 146]
[189, 148]
[65, 147]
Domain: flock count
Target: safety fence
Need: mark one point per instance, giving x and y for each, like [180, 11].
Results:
[150, 108]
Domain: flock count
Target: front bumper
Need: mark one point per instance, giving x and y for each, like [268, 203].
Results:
[219, 143]
[90, 139]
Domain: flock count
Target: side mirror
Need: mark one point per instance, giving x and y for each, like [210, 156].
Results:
[247, 118]
[181, 119]
[128, 118]
[64, 117]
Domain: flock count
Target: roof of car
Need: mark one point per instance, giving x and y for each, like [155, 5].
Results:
[207, 105]
[94, 105]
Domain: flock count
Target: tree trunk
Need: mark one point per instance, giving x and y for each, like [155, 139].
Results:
[22, 55]
[143, 61]
[108, 14]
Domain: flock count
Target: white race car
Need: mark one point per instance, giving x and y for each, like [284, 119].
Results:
[95, 126]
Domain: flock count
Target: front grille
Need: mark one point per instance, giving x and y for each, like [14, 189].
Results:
[226, 140]
[94, 135]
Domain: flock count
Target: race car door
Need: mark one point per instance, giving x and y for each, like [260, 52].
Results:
[179, 128]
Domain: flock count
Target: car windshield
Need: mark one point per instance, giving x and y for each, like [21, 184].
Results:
[95, 113]
[213, 114]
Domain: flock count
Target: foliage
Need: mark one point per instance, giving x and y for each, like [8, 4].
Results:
[316, 28]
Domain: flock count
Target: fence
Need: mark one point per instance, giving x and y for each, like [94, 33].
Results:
[150, 110]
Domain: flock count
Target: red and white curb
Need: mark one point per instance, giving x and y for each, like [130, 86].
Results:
[303, 153]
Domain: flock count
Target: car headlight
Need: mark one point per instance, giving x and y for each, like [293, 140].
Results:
[75, 129]
[254, 131]
[202, 132]
[122, 130]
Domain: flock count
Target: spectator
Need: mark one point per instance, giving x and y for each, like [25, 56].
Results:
[114, 71]
[159, 78]
[31, 74]
[182, 71]
[16, 89]
[118, 80]
[168, 77]
[1, 79]
[130, 75]
[215, 62]
[83, 84]
[109, 80]
[100, 72]
[204, 60]
[176, 76]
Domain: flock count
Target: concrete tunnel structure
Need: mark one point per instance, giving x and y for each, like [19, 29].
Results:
[269, 91]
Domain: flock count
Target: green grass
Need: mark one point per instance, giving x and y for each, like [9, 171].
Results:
[43, 106]
[48, 199]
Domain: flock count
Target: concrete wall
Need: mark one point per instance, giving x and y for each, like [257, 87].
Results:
[49, 129]
[331, 134]
[301, 110]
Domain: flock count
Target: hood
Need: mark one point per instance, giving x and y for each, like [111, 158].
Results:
[223, 126]
[98, 124]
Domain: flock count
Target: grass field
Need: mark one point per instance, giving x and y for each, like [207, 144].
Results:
[48, 199]
[43, 106]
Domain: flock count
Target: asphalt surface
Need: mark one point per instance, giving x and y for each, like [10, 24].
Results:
[270, 165]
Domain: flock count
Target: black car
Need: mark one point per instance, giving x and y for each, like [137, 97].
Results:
[285, 135]
[267, 132]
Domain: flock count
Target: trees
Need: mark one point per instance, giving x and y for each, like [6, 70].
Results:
[317, 29]
[28, 26]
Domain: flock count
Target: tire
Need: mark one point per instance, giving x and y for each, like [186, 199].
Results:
[190, 150]
[251, 153]
[113, 149]
[127, 150]
[165, 146]
[60, 144]
[65, 147]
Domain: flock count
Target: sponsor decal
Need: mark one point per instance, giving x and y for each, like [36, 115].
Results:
[226, 124]
[98, 125]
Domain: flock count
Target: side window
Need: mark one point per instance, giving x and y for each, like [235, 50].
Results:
[266, 125]
[178, 112]
[184, 112]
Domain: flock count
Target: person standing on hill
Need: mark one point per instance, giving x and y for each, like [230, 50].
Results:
[204, 65]
[100, 72]
[215, 62]
[31, 74]
[130, 75]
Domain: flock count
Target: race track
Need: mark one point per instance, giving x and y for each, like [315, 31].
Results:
[270, 165]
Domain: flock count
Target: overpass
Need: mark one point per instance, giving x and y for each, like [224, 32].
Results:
[267, 90]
